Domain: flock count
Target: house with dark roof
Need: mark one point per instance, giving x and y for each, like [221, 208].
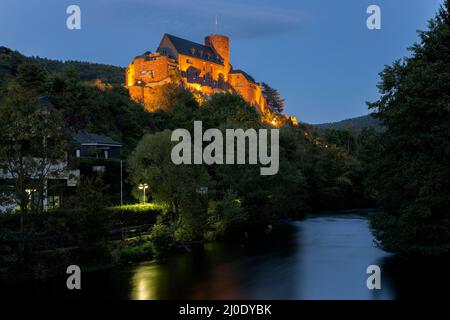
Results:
[204, 68]
[96, 146]
[92, 153]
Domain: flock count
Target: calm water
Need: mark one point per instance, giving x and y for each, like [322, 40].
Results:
[321, 257]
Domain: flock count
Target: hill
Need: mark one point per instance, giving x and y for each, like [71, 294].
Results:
[354, 124]
[10, 60]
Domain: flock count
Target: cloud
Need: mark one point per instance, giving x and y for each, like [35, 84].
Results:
[197, 16]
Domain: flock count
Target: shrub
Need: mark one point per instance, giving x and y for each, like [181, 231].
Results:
[162, 236]
[136, 252]
[135, 214]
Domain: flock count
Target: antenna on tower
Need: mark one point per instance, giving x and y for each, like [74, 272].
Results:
[216, 25]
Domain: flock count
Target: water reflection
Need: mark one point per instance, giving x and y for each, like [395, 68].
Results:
[321, 257]
[144, 282]
[317, 258]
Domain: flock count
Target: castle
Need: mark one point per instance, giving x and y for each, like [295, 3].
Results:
[203, 68]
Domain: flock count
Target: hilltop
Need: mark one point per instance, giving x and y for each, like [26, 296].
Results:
[10, 60]
[353, 124]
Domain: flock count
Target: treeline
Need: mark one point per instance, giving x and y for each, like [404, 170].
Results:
[411, 160]
[354, 124]
[88, 71]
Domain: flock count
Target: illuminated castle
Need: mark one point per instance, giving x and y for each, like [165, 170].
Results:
[204, 68]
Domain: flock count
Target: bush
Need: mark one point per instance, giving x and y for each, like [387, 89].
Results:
[136, 252]
[225, 216]
[162, 236]
[135, 214]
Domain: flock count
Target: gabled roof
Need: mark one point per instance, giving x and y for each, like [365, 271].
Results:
[246, 75]
[194, 49]
[84, 138]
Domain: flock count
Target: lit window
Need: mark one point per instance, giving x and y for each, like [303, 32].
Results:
[78, 153]
[53, 202]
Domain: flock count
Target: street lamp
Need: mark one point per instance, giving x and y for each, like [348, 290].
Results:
[143, 186]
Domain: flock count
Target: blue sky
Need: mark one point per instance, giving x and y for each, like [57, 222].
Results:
[319, 54]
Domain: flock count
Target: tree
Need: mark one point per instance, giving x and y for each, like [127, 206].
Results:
[33, 143]
[413, 172]
[225, 109]
[172, 184]
[273, 98]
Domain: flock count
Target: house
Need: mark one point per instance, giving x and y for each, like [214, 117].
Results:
[96, 146]
[59, 178]
[63, 176]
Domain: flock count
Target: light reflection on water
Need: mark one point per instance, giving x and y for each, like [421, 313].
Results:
[143, 282]
[317, 258]
[321, 257]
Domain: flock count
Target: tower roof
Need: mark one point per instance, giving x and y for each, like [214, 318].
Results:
[193, 49]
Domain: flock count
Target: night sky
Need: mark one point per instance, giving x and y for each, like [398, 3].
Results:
[319, 54]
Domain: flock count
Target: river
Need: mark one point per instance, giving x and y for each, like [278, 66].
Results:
[321, 257]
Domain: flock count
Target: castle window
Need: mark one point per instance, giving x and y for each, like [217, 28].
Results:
[189, 61]
[152, 75]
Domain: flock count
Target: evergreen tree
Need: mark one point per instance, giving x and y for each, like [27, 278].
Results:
[273, 98]
[413, 166]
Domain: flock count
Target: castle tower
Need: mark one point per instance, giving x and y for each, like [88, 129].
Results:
[221, 44]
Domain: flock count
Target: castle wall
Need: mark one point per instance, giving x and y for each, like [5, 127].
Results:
[136, 93]
[149, 68]
[152, 70]
[250, 91]
[201, 66]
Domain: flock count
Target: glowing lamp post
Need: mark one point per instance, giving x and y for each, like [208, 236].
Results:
[143, 187]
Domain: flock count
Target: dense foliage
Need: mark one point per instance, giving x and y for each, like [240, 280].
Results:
[412, 170]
